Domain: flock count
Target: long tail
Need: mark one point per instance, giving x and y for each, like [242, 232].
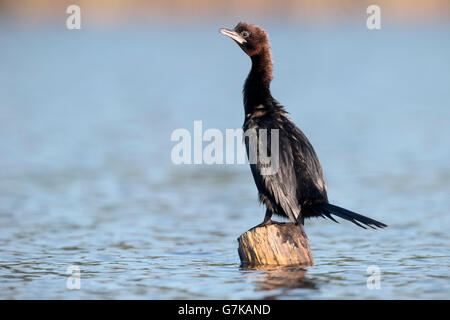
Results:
[326, 210]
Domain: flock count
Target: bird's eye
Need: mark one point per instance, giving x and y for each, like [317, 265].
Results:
[245, 34]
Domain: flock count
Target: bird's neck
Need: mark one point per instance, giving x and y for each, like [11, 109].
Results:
[257, 85]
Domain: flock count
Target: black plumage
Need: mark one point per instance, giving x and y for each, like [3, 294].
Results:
[297, 190]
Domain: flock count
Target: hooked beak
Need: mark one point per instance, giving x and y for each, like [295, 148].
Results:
[233, 35]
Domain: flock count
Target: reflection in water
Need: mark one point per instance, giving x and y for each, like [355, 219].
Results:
[284, 277]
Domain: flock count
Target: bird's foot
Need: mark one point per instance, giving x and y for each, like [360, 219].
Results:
[267, 222]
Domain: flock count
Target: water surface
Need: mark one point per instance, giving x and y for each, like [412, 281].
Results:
[86, 177]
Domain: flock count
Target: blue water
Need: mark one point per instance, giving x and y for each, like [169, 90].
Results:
[86, 177]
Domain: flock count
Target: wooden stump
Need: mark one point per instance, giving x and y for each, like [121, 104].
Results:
[278, 244]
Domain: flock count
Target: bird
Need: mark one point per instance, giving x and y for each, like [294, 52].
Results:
[297, 190]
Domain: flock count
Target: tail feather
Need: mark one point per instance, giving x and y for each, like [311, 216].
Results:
[324, 213]
[326, 210]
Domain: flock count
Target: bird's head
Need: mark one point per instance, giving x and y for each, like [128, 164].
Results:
[251, 38]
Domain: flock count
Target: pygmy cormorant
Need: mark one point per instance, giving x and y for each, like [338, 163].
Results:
[297, 190]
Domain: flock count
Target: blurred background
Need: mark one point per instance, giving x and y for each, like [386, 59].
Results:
[86, 177]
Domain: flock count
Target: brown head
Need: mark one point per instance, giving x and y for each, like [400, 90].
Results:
[251, 38]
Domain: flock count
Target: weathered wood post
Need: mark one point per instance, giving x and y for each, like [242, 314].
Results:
[278, 244]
